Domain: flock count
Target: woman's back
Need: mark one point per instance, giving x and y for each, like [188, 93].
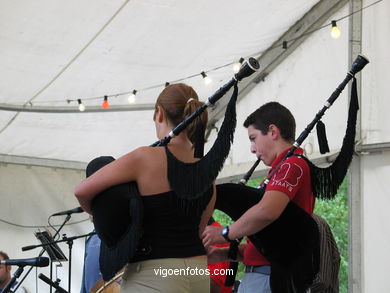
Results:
[152, 173]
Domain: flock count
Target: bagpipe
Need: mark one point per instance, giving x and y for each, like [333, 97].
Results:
[291, 243]
[118, 211]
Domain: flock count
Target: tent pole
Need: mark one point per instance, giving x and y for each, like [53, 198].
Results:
[356, 215]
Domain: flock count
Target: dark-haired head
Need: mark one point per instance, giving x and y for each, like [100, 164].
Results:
[4, 255]
[276, 114]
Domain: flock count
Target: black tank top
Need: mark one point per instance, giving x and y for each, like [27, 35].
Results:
[171, 228]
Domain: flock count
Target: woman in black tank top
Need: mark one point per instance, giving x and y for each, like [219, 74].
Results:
[170, 256]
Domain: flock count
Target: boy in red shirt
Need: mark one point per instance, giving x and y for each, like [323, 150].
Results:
[271, 131]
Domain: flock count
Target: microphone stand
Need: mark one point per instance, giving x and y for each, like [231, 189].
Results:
[11, 282]
[42, 252]
[68, 216]
[69, 241]
[52, 284]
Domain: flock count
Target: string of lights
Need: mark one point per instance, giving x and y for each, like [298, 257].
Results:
[335, 33]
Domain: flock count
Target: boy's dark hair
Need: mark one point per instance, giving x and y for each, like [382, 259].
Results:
[4, 255]
[273, 113]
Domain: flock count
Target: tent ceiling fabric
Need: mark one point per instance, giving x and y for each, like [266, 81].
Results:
[53, 51]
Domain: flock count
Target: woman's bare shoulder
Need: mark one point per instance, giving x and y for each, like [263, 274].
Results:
[146, 152]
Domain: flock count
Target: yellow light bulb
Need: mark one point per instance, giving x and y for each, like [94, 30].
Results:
[207, 80]
[81, 106]
[335, 32]
[236, 67]
[131, 99]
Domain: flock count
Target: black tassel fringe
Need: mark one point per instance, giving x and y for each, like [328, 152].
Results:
[191, 181]
[326, 181]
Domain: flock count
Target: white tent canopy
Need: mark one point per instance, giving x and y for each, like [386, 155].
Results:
[53, 51]
[74, 51]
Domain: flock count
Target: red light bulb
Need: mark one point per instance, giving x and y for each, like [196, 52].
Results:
[105, 104]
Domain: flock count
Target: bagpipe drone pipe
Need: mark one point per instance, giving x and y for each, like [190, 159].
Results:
[291, 243]
[118, 211]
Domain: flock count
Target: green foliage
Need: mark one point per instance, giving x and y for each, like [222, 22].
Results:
[335, 212]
